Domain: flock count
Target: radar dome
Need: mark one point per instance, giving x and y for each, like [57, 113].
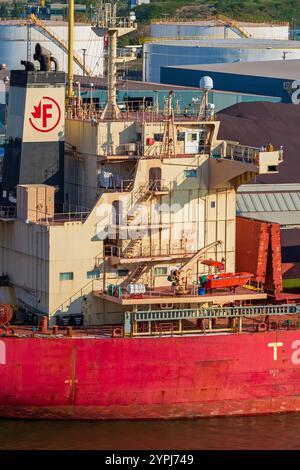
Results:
[206, 83]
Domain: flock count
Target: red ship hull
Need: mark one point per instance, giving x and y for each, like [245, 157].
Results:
[150, 378]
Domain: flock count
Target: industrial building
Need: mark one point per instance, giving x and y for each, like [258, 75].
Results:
[278, 203]
[18, 38]
[271, 78]
[191, 52]
[217, 29]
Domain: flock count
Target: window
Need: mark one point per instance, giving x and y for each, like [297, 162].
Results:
[180, 136]
[161, 271]
[93, 274]
[192, 137]
[122, 272]
[190, 173]
[66, 276]
[272, 168]
[213, 204]
[158, 137]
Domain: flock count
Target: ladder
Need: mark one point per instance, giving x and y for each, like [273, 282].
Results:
[137, 273]
[234, 26]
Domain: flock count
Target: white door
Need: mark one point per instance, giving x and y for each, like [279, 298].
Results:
[192, 142]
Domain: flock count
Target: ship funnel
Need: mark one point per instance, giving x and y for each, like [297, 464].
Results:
[44, 57]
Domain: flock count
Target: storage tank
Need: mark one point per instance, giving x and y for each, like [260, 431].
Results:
[211, 29]
[14, 35]
[190, 52]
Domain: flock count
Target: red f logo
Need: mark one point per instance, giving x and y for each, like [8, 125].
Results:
[46, 115]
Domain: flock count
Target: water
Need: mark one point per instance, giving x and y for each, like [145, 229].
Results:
[260, 432]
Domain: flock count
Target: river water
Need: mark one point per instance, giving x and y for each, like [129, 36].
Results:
[259, 432]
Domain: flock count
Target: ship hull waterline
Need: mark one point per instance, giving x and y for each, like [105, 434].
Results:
[150, 378]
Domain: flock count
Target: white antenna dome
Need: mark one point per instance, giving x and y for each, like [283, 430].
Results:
[206, 83]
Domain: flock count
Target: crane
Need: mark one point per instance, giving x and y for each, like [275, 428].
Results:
[181, 276]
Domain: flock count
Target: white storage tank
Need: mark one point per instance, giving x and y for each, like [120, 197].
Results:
[14, 34]
[187, 52]
[212, 29]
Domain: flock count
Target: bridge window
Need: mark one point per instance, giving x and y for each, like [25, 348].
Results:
[272, 168]
[158, 137]
[93, 274]
[180, 136]
[161, 271]
[122, 272]
[190, 173]
[66, 276]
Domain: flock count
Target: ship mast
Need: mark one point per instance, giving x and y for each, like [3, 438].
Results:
[108, 24]
[168, 144]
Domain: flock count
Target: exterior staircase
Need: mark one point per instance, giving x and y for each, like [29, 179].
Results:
[130, 249]
[137, 272]
[144, 193]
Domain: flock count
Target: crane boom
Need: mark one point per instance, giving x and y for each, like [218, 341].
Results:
[188, 264]
[180, 276]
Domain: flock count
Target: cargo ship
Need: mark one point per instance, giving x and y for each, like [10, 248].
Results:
[120, 296]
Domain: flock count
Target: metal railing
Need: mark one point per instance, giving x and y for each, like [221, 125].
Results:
[88, 288]
[241, 152]
[144, 112]
[149, 251]
[107, 22]
[215, 312]
[115, 185]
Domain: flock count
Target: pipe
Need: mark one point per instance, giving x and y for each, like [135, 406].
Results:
[70, 92]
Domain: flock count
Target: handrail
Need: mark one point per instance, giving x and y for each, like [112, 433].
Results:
[176, 19]
[69, 299]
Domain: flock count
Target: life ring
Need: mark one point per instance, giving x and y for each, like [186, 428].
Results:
[262, 327]
[117, 333]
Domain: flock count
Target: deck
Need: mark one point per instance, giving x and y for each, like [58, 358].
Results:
[165, 295]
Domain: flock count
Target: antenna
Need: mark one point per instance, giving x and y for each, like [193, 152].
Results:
[206, 84]
[108, 24]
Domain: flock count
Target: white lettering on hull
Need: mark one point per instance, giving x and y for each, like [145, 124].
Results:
[296, 354]
[2, 353]
[275, 350]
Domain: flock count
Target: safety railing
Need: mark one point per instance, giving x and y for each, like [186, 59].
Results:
[115, 185]
[149, 251]
[143, 112]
